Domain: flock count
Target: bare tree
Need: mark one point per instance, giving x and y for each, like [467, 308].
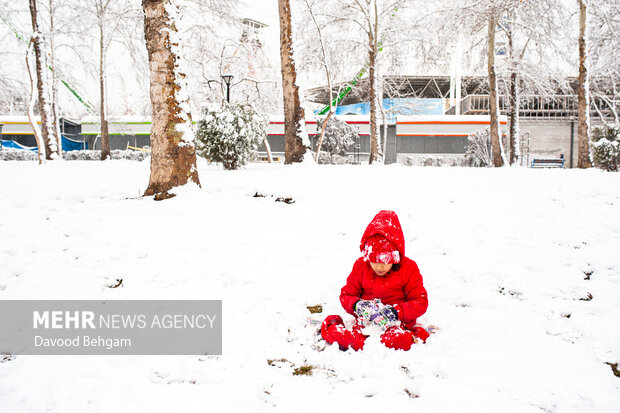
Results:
[218, 42]
[51, 148]
[366, 27]
[498, 159]
[505, 15]
[296, 142]
[109, 20]
[370, 34]
[54, 85]
[31, 118]
[583, 93]
[325, 64]
[101, 7]
[372, 25]
[62, 33]
[604, 59]
[371, 16]
[257, 82]
[536, 30]
[173, 154]
[513, 139]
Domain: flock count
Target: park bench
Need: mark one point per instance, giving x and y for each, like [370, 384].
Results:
[264, 158]
[548, 163]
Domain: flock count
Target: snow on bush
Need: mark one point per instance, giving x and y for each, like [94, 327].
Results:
[606, 147]
[338, 136]
[229, 134]
[328, 159]
[91, 155]
[10, 154]
[479, 148]
[437, 160]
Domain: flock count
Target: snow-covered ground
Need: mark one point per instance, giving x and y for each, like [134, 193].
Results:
[504, 254]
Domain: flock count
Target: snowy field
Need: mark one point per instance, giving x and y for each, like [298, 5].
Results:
[522, 269]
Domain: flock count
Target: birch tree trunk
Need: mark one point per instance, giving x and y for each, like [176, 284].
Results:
[327, 78]
[320, 141]
[583, 93]
[514, 118]
[296, 141]
[493, 97]
[33, 122]
[513, 146]
[374, 146]
[105, 139]
[372, 87]
[173, 155]
[54, 88]
[51, 149]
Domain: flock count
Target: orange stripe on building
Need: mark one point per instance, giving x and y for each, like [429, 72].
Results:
[316, 134]
[431, 134]
[441, 122]
[436, 134]
[352, 122]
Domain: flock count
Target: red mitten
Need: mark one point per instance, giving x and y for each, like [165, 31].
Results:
[333, 330]
[327, 332]
[356, 338]
[347, 338]
[397, 338]
[420, 333]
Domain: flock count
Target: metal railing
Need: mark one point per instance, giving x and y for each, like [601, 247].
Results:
[540, 107]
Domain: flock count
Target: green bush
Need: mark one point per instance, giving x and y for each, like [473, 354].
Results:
[339, 136]
[606, 147]
[229, 134]
[479, 151]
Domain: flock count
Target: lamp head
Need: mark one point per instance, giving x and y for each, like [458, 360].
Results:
[227, 79]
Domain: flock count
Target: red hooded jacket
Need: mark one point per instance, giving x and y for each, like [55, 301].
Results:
[403, 286]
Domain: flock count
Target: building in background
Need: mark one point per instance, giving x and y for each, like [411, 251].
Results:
[17, 133]
[547, 123]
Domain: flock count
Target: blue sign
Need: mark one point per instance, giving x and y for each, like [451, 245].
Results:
[395, 107]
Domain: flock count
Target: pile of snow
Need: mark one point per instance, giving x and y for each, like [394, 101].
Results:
[521, 267]
[437, 160]
[95, 155]
[10, 154]
[329, 159]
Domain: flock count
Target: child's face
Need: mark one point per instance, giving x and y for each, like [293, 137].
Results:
[380, 269]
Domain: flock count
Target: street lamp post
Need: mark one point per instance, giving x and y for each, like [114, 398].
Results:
[227, 80]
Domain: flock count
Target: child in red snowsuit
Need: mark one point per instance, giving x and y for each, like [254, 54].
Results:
[383, 272]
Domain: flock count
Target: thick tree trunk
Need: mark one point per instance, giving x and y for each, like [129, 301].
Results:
[105, 139]
[493, 97]
[296, 141]
[583, 93]
[51, 149]
[173, 155]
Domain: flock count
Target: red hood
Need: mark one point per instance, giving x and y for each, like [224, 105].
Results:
[387, 224]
